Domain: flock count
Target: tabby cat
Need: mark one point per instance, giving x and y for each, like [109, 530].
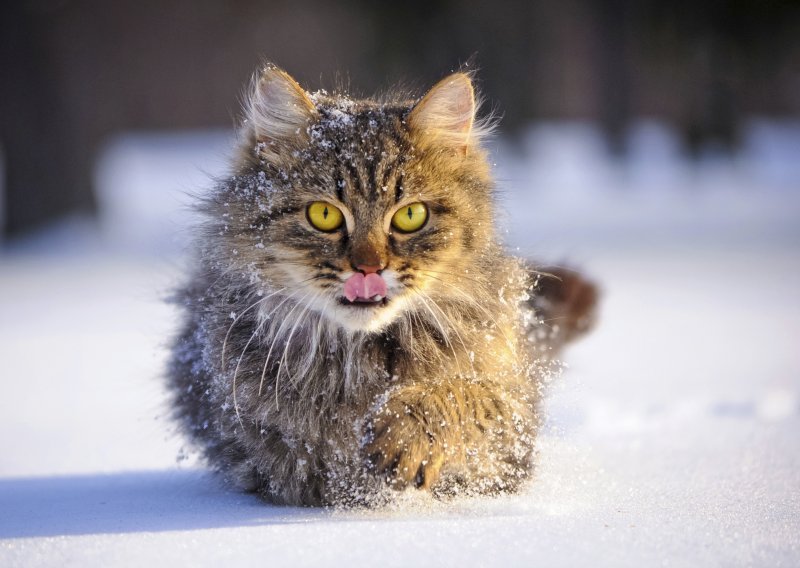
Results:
[353, 325]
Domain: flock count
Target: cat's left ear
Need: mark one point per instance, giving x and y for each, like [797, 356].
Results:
[446, 114]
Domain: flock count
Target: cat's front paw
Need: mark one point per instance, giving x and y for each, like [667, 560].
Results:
[402, 448]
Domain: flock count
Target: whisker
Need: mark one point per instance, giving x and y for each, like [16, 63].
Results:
[421, 325]
[282, 360]
[423, 297]
[455, 329]
[236, 372]
[237, 318]
[257, 330]
[274, 339]
[453, 274]
[466, 352]
[473, 302]
[243, 312]
[411, 331]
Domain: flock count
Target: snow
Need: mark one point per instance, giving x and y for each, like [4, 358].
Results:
[671, 439]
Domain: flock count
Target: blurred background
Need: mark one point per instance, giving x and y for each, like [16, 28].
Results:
[78, 74]
[655, 144]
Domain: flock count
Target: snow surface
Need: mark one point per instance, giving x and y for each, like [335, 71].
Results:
[671, 440]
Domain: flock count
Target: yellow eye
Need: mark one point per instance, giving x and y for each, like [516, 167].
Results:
[324, 216]
[410, 218]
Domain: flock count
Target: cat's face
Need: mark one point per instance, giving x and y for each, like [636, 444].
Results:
[364, 212]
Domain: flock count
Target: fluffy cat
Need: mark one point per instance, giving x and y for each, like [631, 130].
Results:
[353, 325]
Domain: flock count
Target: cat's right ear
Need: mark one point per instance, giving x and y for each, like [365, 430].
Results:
[277, 112]
[446, 114]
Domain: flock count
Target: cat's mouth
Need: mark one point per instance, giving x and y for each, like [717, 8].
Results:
[364, 291]
[376, 301]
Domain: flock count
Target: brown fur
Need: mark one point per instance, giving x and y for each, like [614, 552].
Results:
[308, 401]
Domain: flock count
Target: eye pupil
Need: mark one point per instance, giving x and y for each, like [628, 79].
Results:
[410, 213]
[325, 213]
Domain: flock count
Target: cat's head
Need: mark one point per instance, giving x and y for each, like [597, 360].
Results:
[362, 211]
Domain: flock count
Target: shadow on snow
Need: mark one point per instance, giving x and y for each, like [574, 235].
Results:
[128, 502]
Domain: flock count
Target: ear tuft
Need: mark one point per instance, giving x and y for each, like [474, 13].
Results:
[278, 112]
[446, 114]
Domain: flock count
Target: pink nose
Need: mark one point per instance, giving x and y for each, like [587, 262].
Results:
[368, 268]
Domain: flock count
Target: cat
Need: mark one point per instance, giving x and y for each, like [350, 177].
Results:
[353, 325]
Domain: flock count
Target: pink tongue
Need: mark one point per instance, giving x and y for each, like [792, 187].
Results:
[360, 287]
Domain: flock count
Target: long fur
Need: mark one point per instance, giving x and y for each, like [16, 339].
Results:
[307, 401]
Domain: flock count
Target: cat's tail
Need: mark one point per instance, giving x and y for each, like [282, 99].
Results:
[564, 304]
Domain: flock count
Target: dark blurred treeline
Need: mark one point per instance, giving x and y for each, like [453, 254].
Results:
[76, 71]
